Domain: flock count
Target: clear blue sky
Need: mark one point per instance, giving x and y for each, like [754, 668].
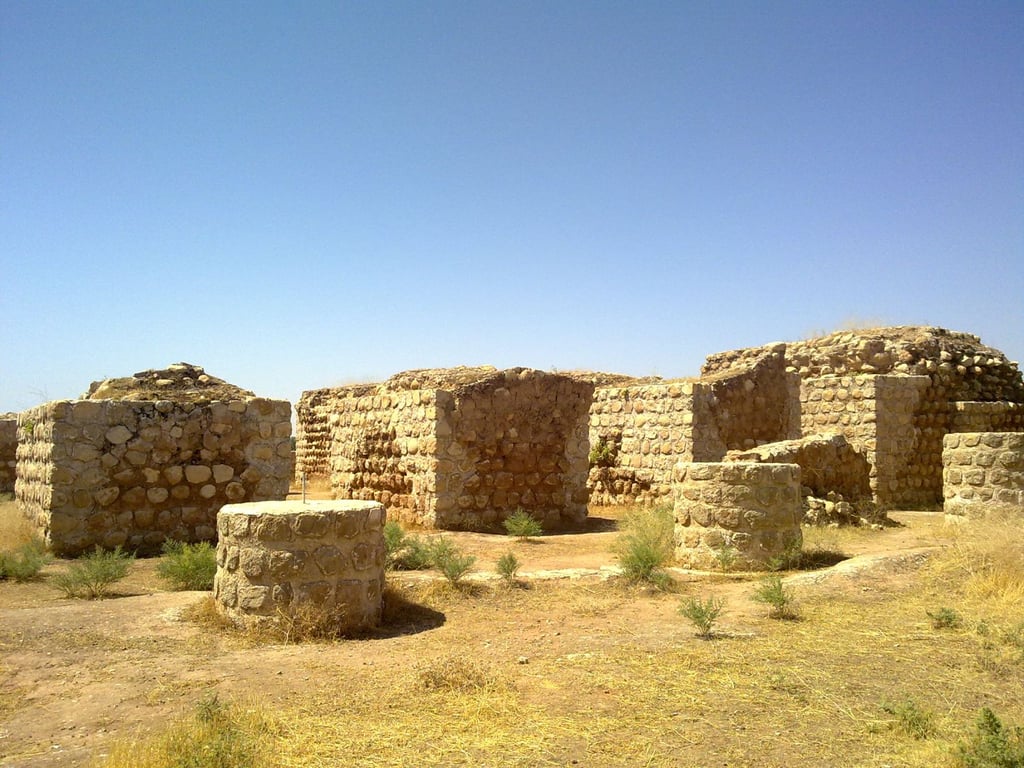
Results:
[297, 195]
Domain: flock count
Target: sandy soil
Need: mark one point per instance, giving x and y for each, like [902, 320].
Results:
[74, 675]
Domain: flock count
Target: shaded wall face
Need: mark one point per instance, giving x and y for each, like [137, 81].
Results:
[109, 473]
[986, 417]
[515, 442]
[8, 454]
[383, 448]
[757, 405]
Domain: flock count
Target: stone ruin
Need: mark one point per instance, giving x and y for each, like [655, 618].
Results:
[459, 448]
[894, 394]
[148, 458]
[862, 413]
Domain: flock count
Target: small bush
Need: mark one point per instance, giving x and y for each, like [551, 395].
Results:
[450, 561]
[646, 544]
[726, 557]
[508, 567]
[91, 576]
[911, 719]
[993, 745]
[945, 618]
[702, 614]
[604, 453]
[188, 566]
[394, 543]
[25, 562]
[777, 597]
[522, 525]
[414, 554]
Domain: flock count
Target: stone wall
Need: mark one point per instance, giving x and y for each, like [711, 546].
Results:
[987, 417]
[877, 414]
[983, 471]
[136, 473]
[8, 451]
[828, 464]
[751, 510]
[956, 366]
[313, 437]
[320, 562]
[383, 447]
[455, 448]
[640, 431]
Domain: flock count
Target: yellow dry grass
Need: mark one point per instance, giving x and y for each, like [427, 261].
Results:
[15, 529]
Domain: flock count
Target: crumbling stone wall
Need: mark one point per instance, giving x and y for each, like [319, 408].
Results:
[457, 448]
[828, 464]
[136, 473]
[877, 415]
[313, 437]
[956, 366]
[638, 432]
[383, 447]
[983, 471]
[987, 417]
[751, 509]
[8, 451]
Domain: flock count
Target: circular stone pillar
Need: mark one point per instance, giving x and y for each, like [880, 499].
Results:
[322, 561]
[982, 471]
[750, 509]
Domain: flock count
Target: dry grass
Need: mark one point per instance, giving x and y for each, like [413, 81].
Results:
[15, 529]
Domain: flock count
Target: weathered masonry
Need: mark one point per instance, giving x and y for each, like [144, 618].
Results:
[454, 448]
[895, 393]
[105, 472]
[983, 471]
[639, 431]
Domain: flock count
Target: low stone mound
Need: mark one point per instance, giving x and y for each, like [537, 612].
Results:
[181, 382]
[966, 368]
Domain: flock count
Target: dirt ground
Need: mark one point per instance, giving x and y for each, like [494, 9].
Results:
[74, 675]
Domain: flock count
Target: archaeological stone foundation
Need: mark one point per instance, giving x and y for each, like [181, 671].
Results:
[454, 449]
[137, 472]
[982, 472]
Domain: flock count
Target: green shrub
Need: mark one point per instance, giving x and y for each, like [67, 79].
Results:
[777, 597]
[449, 560]
[726, 557]
[910, 718]
[522, 525]
[993, 745]
[25, 562]
[508, 567]
[604, 453]
[91, 576]
[188, 566]
[945, 618]
[414, 555]
[646, 544]
[394, 543]
[702, 614]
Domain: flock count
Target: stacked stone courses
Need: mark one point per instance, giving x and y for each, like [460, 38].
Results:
[955, 367]
[8, 451]
[136, 473]
[983, 471]
[648, 427]
[828, 464]
[454, 448]
[289, 560]
[752, 510]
